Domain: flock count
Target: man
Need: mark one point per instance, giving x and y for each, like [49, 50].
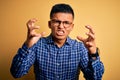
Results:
[58, 57]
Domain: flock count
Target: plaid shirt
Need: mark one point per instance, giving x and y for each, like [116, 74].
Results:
[54, 63]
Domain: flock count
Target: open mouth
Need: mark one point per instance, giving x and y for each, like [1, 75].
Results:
[60, 32]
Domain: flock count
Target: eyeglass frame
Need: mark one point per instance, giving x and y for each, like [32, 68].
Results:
[58, 22]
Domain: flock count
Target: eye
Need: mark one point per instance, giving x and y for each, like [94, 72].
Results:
[66, 22]
[57, 21]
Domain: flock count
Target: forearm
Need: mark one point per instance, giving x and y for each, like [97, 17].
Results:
[22, 62]
[95, 70]
[98, 69]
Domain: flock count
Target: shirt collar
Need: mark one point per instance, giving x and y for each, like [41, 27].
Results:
[50, 40]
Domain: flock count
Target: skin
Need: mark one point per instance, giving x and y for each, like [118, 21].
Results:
[60, 33]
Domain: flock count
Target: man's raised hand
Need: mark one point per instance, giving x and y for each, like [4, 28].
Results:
[89, 42]
[32, 36]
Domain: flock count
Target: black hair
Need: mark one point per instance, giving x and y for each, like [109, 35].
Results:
[65, 8]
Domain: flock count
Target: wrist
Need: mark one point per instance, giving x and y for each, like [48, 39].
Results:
[28, 43]
[96, 54]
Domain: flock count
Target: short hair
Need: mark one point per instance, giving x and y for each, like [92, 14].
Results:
[64, 8]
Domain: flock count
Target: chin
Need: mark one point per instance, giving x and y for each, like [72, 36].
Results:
[60, 37]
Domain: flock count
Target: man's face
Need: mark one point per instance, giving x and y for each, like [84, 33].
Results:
[61, 25]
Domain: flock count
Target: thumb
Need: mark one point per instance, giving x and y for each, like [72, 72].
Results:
[40, 35]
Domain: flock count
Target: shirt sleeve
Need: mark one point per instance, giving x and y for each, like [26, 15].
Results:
[22, 61]
[92, 69]
[98, 68]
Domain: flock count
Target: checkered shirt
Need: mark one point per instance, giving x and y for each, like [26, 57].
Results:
[54, 63]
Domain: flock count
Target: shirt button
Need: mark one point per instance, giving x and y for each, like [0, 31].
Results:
[58, 64]
[57, 76]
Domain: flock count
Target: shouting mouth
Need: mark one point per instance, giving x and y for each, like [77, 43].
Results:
[60, 32]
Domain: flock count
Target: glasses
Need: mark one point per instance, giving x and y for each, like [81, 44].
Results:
[66, 24]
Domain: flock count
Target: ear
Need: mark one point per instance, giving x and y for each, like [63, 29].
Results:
[49, 24]
[72, 26]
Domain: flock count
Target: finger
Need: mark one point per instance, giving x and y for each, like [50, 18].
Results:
[90, 35]
[81, 38]
[89, 44]
[35, 27]
[34, 34]
[32, 29]
[31, 22]
[42, 34]
[90, 29]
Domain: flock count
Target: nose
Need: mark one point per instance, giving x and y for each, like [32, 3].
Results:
[61, 25]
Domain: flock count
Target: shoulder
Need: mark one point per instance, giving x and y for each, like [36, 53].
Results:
[79, 47]
[42, 40]
[45, 40]
[75, 42]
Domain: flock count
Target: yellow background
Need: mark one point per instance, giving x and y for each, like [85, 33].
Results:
[103, 15]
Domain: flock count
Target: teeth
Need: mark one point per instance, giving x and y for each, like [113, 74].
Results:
[60, 32]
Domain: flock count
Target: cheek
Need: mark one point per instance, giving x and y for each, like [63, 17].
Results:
[53, 29]
[69, 30]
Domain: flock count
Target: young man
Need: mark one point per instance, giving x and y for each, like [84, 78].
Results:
[58, 57]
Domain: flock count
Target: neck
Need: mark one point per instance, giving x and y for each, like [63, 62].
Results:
[59, 42]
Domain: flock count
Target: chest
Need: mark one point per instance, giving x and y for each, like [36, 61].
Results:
[52, 58]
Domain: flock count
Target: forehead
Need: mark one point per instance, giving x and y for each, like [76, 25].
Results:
[63, 16]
